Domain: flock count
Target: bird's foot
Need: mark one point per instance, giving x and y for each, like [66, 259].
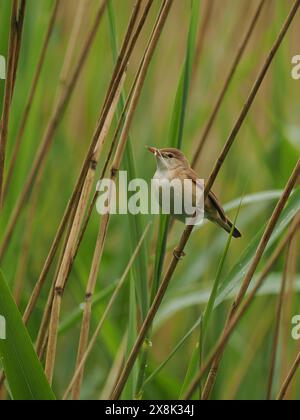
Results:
[178, 255]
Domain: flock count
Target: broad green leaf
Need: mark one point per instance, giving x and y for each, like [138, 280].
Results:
[236, 275]
[23, 370]
[184, 298]
[199, 265]
[194, 298]
[271, 287]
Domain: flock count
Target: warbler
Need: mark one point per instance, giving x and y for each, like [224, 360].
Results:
[173, 165]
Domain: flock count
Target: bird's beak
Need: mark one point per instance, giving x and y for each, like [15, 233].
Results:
[153, 150]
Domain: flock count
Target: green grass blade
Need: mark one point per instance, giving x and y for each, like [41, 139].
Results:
[130, 387]
[173, 352]
[211, 302]
[179, 112]
[23, 370]
[193, 366]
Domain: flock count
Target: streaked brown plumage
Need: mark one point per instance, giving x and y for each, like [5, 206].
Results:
[172, 164]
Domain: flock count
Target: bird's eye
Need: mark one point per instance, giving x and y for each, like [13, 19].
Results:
[170, 156]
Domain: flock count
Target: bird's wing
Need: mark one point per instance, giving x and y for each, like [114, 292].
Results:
[194, 177]
[211, 196]
[217, 205]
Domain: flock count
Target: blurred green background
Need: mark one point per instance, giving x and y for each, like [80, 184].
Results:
[261, 160]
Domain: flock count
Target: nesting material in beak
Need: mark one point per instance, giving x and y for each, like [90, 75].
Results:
[153, 150]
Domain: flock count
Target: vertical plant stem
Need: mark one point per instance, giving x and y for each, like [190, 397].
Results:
[123, 59]
[288, 309]
[115, 82]
[287, 383]
[30, 100]
[249, 276]
[68, 256]
[114, 172]
[176, 140]
[278, 319]
[57, 115]
[252, 95]
[187, 233]
[80, 366]
[231, 74]
[8, 92]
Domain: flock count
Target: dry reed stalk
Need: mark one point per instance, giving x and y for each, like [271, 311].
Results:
[109, 157]
[66, 68]
[114, 172]
[245, 306]
[42, 277]
[69, 252]
[8, 92]
[41, 342]
[248, 278]
[253, 94]
[40, 283]
[287, 383]
[42, 338]
[179, 251]
[78, 375]
[120, 67]
[224, 90]
[122, 62]
[30, 100]
[57, 114]
[221, 97]
[278, 319]
[61, 89]
[67, 217]
[108, 160]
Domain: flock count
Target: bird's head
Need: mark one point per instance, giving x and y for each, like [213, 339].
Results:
[169, 159]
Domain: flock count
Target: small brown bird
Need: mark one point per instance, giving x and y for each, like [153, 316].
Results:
[171, 165]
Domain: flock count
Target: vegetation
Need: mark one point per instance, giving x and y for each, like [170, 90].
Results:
[109, 310]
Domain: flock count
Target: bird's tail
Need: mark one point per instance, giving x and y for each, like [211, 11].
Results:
[228, 225]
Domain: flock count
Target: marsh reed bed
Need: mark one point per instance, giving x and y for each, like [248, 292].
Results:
[137, 307]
